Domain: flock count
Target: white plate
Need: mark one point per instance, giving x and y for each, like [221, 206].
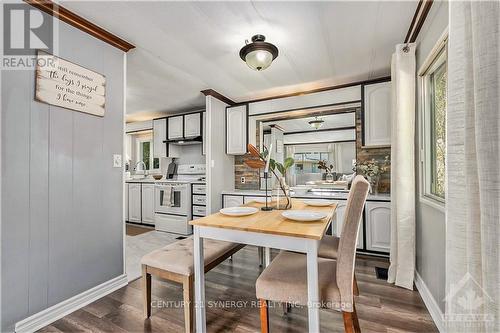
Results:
[319, 203]
[239, 211]
[263, 200]
[303, 215]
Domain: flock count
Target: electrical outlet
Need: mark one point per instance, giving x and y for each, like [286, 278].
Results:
[117, 161]
[243, 180]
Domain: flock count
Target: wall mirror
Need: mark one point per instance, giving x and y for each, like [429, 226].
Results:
[309, 136]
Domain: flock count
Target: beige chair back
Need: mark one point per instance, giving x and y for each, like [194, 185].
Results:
[348, 240]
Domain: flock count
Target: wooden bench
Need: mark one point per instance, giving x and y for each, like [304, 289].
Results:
[174, 262]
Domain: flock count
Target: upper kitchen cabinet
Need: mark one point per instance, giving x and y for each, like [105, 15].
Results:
[175, 127]
[186, 126]
[159, 136]
[377, 114]
[236, 130]
[192, 125]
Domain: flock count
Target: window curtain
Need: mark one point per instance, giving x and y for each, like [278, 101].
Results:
[402, 256]
[473, 176]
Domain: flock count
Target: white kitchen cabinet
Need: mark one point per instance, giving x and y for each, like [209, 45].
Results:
[339, 217]
[236, 130]
[248, 199]
[192, 125]
[174, 151]
[339, 222]
[175, 127]
[126, 202]
[377, 114]
[148, 203]
[159, 135]
[134, 202]
[378, 226]
[232, 201]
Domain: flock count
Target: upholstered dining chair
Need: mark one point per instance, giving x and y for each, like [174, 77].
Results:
[328, 248]
[285, 279]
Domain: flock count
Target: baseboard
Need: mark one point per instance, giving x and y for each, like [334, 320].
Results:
[55, 312]
[430, 303]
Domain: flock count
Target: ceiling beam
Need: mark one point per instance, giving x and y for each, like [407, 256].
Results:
[80, 23]
[418, 20]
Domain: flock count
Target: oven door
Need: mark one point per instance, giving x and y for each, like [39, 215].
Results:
[179, 204]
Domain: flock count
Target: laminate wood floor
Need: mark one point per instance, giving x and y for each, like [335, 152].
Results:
[230, 291]
[134, 230]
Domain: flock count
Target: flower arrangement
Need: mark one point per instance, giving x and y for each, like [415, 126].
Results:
[258, 161]
[322, 165]
[372, 170]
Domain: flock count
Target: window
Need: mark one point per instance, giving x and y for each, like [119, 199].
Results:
[434, 127]
[144, 151]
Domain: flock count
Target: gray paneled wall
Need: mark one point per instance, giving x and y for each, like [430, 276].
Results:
[61, 197]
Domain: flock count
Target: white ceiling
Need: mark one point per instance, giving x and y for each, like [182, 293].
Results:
[302, 124]
[185, 47]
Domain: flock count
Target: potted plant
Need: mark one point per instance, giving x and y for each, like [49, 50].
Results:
[322, 165]
[371, 170]
[257, 160]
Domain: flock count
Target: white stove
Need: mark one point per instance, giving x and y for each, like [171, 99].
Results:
[173, 199]
[188, 173]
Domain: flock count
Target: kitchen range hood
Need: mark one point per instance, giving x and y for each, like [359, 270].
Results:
[185, 141]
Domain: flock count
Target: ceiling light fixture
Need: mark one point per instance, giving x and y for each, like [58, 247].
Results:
[316, 123]
[258, 54]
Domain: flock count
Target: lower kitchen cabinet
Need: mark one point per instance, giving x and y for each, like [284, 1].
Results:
[198, 200]
[375, 226]
[232, 201]
[141, 203]
[134, 203]
[338, 222]
[148, 203]
[378, 226]
[126, 202]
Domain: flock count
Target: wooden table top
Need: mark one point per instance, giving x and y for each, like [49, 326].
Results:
[271, 222]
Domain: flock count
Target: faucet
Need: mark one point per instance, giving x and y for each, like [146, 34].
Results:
[143, 166]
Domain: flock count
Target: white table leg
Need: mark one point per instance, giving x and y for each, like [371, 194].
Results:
[267, 253]
[312, 286]
[199, 282]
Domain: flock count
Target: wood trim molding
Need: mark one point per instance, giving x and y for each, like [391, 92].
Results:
[80, 23]
[339, 86]
[213, 93]
[418, 20]
[51, 314]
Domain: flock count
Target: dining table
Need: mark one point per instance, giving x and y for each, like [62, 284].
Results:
[268, 229]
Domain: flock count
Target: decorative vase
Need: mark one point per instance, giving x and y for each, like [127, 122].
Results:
[282, 195]
[373, 180]
[329, 177]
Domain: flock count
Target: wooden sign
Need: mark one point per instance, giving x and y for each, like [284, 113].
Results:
[65, 84]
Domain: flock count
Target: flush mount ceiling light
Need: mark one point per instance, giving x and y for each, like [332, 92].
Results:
[258, 54]
[316, 123]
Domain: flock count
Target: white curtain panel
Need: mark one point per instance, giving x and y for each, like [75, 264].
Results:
[402, 268]
[473, 168]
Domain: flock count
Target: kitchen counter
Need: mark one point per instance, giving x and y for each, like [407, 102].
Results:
[146, 180]
[311, 195]
[151, 180]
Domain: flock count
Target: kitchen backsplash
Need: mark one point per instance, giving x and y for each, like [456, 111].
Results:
[362, 155]
[367, 154]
